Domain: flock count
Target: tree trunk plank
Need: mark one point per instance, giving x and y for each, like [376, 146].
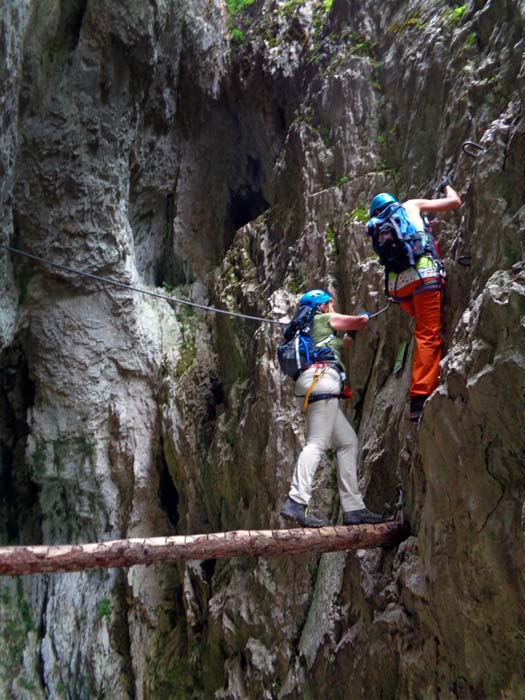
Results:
[15, 561]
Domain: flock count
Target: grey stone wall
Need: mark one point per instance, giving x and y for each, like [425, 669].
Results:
[150, 143]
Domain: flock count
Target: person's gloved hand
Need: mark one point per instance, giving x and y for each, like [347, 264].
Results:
[362, 323]
[445, 182]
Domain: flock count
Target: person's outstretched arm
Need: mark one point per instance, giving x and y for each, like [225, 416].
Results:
[341, 322]
[450, 201]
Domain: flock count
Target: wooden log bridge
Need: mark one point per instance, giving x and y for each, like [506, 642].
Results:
[41, 559]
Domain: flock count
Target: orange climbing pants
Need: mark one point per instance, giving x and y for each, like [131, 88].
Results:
[425, 307]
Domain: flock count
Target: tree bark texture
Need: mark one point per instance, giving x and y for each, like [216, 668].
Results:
[40, 559]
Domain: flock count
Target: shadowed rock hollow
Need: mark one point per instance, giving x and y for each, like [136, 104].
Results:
[229, 159]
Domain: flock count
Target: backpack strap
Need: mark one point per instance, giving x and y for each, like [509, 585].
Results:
[324, 342]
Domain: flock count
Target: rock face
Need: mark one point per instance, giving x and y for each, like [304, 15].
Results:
[228, 159]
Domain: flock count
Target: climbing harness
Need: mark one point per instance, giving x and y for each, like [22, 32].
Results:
[345, 395]
[319, 371]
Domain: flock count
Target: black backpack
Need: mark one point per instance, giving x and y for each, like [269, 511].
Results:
[298, 351]
[396, 240]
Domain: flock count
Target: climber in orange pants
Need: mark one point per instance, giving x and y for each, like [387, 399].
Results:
[426, 309]
[418, 287]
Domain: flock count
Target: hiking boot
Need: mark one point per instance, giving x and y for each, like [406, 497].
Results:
[298, 513]
[360, 517]
[416, 407]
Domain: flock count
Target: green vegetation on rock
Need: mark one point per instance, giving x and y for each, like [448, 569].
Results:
[237, 36]
[329, 234]
[234, 8]
[470, 41]
[453, 15]
[412, 22]
[16, 625]
[297, 282]
[104, 609]
[358, 214]
[288, 8]
[320, 13]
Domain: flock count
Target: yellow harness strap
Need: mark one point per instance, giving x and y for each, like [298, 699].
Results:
[317, 374]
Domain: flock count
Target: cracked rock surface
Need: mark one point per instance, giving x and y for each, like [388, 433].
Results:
[228, 160]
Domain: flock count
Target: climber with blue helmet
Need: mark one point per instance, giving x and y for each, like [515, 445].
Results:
[380, 201]
[418, 288]
[326, 423]
[314, 298]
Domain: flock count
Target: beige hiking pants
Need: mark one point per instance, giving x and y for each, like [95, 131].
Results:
[326, 426]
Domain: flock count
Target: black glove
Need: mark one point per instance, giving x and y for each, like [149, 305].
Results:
[444, 183]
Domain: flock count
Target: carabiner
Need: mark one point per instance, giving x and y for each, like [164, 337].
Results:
[472, 149]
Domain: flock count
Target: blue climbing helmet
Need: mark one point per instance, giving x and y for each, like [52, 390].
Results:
[314, 297]
[381, 200]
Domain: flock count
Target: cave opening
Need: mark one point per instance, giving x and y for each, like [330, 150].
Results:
[247, 200]
[245, 205]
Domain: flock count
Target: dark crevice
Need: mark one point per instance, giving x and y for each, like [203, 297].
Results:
[282, 120]
[171, 270]
[208, 569]
[168, 494]
[120, 633]
[359, 406]
[19, 495]
[42, 632]
[215, 400]
[217, 391]
[500, 483]
[74, 13]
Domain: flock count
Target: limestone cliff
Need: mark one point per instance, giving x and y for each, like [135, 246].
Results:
[228, 158]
